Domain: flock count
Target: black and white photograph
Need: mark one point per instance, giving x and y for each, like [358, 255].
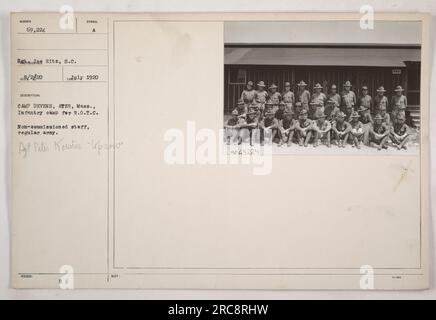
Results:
[323, 87]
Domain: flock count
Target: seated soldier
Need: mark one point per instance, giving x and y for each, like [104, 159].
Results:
[386, 119]
[356, 129]
[279, 113]
[348, 111]
[303, 128]
[379, 133]
[332, 110]
[232, 126]
[321, 129]
[400, 132]
[287, 128]
[241, 107]
[251, 123]
[314, 108]
[270, 125]
[341, 130]
[297, 110]
[399, 109]
[366, 119]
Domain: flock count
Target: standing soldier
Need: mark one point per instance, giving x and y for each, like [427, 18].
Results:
[380, 100]
[287, 128]
[332, 110]
[348, 97]
[400, 132]
[274, 96]
[288, 97]
[269, 123]
[321, 129]
[366, 119]
[365, 99]
[334, 95]
[303, 128]
[232, 126]
[356, 129]
[248, 94]
[303, 95]
[261, 96]
[317, 101]
[341, 130]
[379, 133]
[399, 99]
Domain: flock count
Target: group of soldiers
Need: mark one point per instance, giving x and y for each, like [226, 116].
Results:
[317, 118]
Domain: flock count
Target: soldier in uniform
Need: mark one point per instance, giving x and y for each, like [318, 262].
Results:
[303, 128]
[303, 95]
[380, 100]
[251, 123]
[366, 119]
[379, 133]
[317, 101]
[335, 96]
[274, 96]
[341, 129]
[287, 128]
[232, 126]
[261, 96]
[399, 99]
[398, 109]
[241, 107]
[400, 132]
[348, 112]
[247, 96]
[356, 129]
[385, 116]
[288, 97]
[348, 97]
[332, 110]
[321, 129]
[297, 110]
[280, 113]
[365, 99]
[269, 123]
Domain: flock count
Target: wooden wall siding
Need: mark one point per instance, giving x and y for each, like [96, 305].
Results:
[373, 77]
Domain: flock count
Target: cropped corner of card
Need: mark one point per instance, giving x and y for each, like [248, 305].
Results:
[220, 151]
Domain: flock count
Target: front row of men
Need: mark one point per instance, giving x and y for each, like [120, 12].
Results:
[286, 128]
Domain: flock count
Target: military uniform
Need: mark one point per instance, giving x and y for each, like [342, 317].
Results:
[288, 98]
[287, 128]
[271, 123]
[332, 110]
[379, 132]
[303, 128]
[231, 127]
[248, 96]
[398, 100]
[380, 101]
[303, 95]
[400, 133]
[341, 130]
[348, 98]
[366, 101]
[366, 119]
[321, 129]
[357, 131]
[334, 96]
[280, 112]
[251, 123]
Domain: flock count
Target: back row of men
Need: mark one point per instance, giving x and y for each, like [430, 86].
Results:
[304, 118]
[262, 100]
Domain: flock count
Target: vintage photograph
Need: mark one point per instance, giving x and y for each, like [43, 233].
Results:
[330, 87]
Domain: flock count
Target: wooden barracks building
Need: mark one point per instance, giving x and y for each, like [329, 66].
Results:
[367, 63]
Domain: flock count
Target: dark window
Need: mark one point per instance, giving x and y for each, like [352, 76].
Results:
[238, 76]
